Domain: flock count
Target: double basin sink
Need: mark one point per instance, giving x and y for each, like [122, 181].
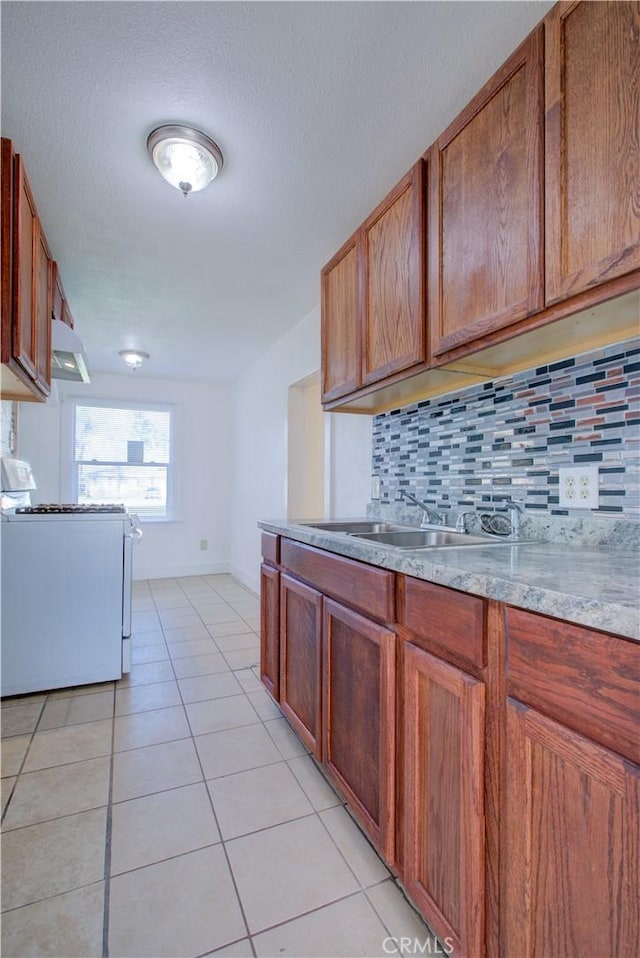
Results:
[408, 537]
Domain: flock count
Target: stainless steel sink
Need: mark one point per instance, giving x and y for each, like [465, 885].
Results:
[430, 539]
[407, 537]
[357, 526]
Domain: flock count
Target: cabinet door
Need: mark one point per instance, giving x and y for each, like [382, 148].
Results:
[592, 92]
[341, 307]
[485, 211]
[270, 629]
[571, 859]
[66, 315]
[6, 248]
[57, 294]
[359, 718]
[42, 305]
[25, 245]
[393, 237]
[300, 659]
[443, 757]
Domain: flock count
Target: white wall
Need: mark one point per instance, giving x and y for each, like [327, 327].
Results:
[231, 456]
[203, 467]
[260, 446]
[349, 464]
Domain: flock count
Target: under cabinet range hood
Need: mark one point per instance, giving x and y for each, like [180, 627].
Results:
[68, 358]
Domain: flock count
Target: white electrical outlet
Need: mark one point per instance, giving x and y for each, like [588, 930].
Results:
[578, 487]
[204, 545]
[375, 487]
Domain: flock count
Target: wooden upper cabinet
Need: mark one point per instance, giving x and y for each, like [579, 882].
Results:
[26, 247]
[57, 292]
[393, 238]
[373, 295]
[66, 314]
[60, 306]
[42, 294]
[27, 274]
[341, 322]
[485, 209]
[592, 92]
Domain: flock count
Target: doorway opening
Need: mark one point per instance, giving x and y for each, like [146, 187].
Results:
[306, 450]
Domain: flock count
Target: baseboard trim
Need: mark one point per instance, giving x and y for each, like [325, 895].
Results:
[250, 580]
[179, 571]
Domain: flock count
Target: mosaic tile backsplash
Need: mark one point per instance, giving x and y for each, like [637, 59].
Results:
[507, 438]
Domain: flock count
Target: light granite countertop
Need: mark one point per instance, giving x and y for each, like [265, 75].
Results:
[595, 587]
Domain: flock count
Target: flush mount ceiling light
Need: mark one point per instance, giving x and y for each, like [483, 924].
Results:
[133, 358]
[186, 158]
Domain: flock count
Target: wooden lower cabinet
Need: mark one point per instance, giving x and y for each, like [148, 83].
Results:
[572, 862]
[491, 753]
[301, 659]
[359, 718]
[571, 832]
[270, 629]
[443, 762]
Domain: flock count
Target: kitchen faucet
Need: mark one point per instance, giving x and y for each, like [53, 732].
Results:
[428, 514]
[516, 508]
[461, 521]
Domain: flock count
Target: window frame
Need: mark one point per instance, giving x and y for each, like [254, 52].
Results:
[150, 406]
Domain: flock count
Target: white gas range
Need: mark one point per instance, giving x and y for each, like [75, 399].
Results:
[66, 590]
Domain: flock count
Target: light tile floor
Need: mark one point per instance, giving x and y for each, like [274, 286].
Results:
[175, 813]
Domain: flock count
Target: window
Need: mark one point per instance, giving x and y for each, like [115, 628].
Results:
[122, 453]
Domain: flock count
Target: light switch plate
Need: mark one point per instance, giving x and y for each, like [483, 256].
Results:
[375, 487]
[578, 487]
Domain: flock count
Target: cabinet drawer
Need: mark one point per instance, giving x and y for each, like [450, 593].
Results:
[585, 679]
[359, 585]
[271, 548]
[452, 620]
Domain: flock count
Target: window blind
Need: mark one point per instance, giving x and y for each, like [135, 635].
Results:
[123, 454]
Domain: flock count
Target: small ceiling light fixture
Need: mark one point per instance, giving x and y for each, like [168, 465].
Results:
[133, 358]
[186, 158]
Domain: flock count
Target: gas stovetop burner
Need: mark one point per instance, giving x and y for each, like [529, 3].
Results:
[46, 508]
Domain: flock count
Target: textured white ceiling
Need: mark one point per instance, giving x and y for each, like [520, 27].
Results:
[319, 108]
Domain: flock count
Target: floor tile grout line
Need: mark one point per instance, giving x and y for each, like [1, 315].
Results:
[56, 818]
[247, 690]
[267, 828]
[24, 759]
[362, 889]
[313, 911]
[215, 817]
[211, 802]
[397, 885]
[168, 858]
[313, 813]
[58, 894]
[229, 944]
[160, 791]
[107, 844]
[350, 866]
